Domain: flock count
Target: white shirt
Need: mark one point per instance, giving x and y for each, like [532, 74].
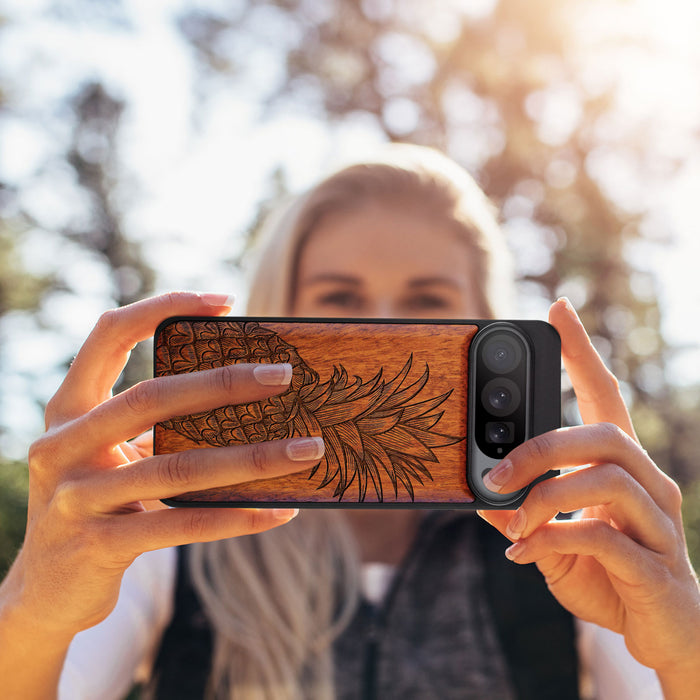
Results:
[104, 661]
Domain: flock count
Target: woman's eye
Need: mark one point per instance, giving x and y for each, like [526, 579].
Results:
[427, 302]
[341, 300]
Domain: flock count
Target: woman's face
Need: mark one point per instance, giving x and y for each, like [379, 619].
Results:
[385, 261]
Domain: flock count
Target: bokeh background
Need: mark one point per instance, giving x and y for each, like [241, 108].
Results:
[141, 141]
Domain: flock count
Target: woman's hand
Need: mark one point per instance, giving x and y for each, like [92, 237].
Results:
[623, 564]
[88, 514]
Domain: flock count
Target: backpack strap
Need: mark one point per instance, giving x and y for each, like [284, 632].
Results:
[183, 664]
[536, 633]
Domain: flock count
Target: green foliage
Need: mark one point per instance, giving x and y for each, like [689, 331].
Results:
[14, 483]
[18, 289]
[691, 521]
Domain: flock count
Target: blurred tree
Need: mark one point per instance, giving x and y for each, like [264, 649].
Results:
[501, 87]
[18, 291]
[93, 154]
[98, 233]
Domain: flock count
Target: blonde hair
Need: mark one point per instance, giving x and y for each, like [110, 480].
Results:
[277, 600]
[405, 174]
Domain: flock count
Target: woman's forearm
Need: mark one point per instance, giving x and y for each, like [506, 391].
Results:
[31, 656]
[681, 683]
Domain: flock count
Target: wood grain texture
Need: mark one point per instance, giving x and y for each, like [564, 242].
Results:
[389, 400]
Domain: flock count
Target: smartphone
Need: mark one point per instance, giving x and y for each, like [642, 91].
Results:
[412, 413]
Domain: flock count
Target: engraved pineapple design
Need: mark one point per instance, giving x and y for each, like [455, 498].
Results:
[374, 430]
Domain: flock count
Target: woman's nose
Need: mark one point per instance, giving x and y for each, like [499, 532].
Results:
[383, 308]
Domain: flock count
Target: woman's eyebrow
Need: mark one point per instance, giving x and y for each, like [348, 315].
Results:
[434, 281]
[334, 278]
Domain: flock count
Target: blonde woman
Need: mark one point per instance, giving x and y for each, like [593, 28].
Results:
[344, 604]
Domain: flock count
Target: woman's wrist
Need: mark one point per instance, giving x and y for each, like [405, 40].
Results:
[30, 664]
[18, 616]
[682, 680]
[681, 684]
[33, 653]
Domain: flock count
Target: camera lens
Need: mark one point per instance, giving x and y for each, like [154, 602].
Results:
[499, 432]
[502, 353]
[500, 396]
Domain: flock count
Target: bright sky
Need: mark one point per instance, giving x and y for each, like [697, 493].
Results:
[203, 185]
[672, 67]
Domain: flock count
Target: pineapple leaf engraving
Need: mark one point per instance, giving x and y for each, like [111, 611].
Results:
[379, 434]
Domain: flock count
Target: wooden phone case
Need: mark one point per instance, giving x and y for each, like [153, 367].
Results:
[389, 398]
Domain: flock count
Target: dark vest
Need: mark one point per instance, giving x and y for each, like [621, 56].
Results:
[460, 621]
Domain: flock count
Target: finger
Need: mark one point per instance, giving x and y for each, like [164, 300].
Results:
[143, 444]
[156, 529]
[579, 445]
[497, 518]
[166, 476]
[105, 352]
[596, 388]
[141, 406]
[606, 486]
[614, 550]
[131, 452]
[138, 448]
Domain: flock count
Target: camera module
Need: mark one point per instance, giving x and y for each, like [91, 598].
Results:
[505, 358]
[501, 389]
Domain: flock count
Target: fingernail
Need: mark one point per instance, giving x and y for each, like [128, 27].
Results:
[569, 306]
[218, 299]
[303, 449]
[499, 476]
[273, 375]
[515, 550]
[517, 525]
[285, 514]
